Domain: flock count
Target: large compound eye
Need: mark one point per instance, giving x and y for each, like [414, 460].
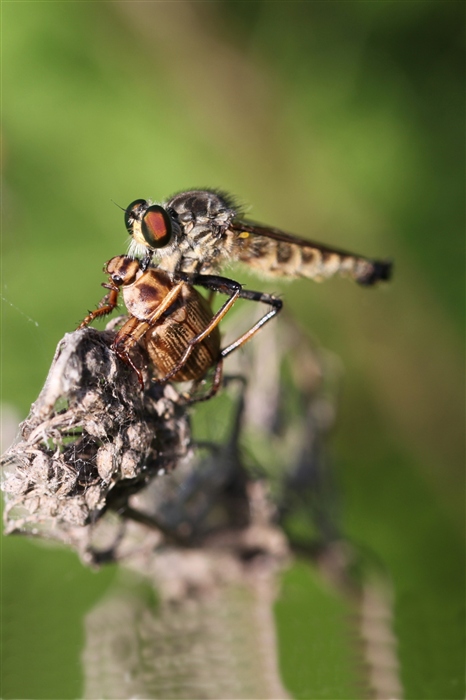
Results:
[156, 227]
[133, 212]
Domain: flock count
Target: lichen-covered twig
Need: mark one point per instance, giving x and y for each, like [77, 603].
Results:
[91, 439]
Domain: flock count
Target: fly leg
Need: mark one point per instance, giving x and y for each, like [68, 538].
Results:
[269, 299]
[235, 290]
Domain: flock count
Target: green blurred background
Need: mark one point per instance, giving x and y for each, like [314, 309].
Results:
[340, 121]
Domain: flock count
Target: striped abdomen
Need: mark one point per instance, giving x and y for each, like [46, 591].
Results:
[276, 253]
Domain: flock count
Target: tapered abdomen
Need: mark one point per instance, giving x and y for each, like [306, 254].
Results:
[286, 258]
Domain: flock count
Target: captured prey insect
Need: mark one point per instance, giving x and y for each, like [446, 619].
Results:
[199, 231]
[173, 320]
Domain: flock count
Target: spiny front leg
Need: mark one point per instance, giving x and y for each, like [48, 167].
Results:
[105, 307]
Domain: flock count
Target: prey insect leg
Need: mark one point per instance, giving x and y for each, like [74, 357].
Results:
[134, 329]
[106, 306]
[125, 339]
[216, 384]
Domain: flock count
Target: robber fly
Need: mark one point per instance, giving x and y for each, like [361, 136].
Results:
[199, 231]
[193, 235]
[173, 320]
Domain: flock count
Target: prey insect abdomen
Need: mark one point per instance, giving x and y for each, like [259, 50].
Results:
[167, 341]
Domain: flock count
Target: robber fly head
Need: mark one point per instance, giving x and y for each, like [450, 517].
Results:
[150, 226]
[186, 233]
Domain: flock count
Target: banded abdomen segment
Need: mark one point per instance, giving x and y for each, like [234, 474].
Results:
[273, 252]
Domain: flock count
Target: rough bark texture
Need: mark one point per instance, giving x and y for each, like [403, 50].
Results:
[91, 439]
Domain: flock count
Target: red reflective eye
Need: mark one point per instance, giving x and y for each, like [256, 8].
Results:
[156, 227]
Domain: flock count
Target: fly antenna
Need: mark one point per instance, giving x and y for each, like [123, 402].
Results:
[117, 205]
